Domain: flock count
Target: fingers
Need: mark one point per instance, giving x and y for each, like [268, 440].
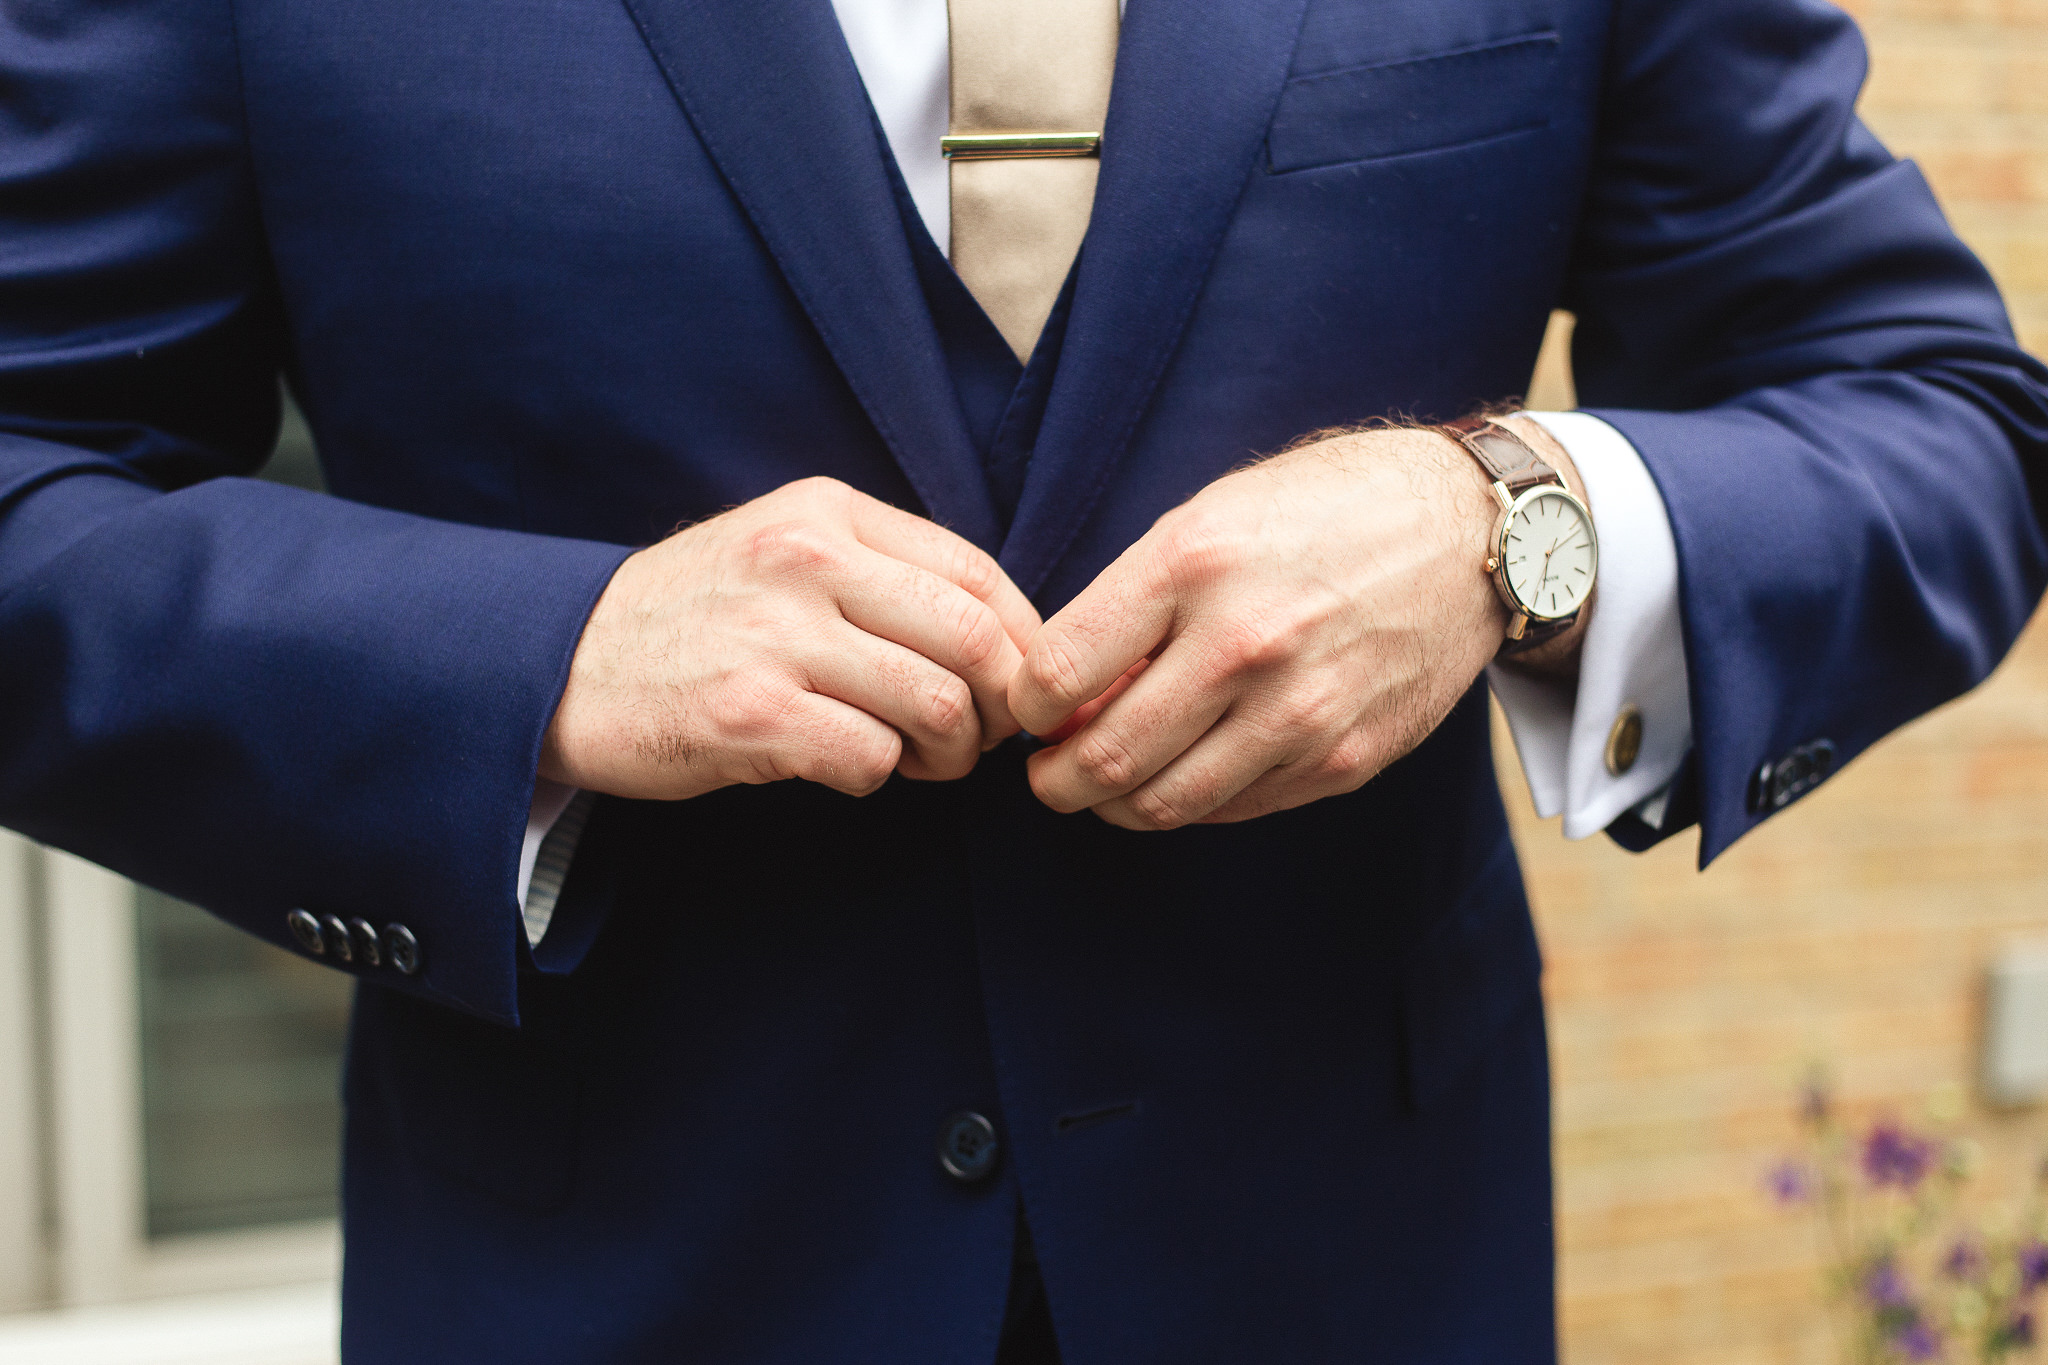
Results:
[1214, 769]
[1238, 771]
[931, 547]
[921, 611]
[1090, 710]
[836, 745]
[1346, 768]
[1090, 643]
[1157, 718]
[932, 708]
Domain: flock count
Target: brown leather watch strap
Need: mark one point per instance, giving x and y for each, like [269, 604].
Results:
[1536, 633]
[1516, 466]
[1506, 456]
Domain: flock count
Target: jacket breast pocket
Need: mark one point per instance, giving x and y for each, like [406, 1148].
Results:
[1421, 104]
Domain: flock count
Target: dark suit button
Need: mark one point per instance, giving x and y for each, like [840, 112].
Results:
[968, 1147]
[1759, 794]
[1821, 753]
[402, 948]
[336, 934]
[1778, 785]
[306, 929]
[363, 935]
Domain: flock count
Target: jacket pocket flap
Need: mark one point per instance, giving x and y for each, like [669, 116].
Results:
[1419, 105]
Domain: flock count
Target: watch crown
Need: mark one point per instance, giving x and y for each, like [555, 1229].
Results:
[1492, 564]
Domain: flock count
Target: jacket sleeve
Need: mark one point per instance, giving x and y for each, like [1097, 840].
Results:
[1821, 378]
[252, 697]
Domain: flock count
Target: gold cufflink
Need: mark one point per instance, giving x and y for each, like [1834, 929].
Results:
[1015, 146]
[1624, 741]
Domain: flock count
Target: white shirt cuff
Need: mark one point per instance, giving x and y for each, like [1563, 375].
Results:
[554, 823]
[1633, 655]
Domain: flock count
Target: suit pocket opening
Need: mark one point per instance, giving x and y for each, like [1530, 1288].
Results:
[1419, 104]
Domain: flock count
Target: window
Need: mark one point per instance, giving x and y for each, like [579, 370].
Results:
[241, 1041]
[169, 1099]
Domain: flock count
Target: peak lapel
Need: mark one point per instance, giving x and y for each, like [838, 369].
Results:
[1196, 84]
[773, 92]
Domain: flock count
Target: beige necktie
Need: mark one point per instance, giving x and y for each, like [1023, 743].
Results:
[1030, 89]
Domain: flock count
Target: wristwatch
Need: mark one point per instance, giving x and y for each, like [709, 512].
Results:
[1544, 554]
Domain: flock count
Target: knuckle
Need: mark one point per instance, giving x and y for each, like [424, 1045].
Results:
[858, 763]
[1253, 643]
[792, 548]
[752, 712]
[1156, 810]
[948, 707]
[978, 635]
[973, 570]
[1348, 764]
[1105, 761]
[1305, 711]
[1054, 668]
[873, 762]
[1201, 546]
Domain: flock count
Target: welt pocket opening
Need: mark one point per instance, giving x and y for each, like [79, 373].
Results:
[1418, 104]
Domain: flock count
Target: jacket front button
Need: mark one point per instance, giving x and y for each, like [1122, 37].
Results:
[402, 949]
[306, 929]
[336, 934]
[968, 1147]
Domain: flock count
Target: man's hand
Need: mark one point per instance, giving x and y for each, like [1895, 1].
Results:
[1281, 637]
[813, 633]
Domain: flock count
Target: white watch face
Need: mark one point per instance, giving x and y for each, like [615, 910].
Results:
[1549, 553]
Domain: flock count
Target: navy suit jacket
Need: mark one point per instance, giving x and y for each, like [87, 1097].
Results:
[551, 276]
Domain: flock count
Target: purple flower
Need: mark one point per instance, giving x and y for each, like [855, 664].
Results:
[1893, 1156]
[1790, 1182]
[1917, 1341]
[1897, 1316]
[1965, 1260]
[1885, 1287]
[2033, 1263]
[2016, 1333]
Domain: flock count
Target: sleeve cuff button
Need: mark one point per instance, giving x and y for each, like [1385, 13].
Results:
[306, 929]
[336, 934]
[363, 935]
[402, 949]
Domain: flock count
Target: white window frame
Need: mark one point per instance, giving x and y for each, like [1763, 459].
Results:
[24, 1279]
[72, 1215]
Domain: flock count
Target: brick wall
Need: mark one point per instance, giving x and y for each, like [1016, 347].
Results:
[1856, 927]
[1961, 86]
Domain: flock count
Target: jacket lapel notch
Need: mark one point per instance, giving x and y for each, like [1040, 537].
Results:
[774, 94]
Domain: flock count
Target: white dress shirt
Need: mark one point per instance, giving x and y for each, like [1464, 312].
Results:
[1634, 653]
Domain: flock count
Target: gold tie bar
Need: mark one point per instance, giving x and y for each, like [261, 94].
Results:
[1017, 146]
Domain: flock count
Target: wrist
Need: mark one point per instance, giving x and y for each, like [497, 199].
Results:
[1557, 657]
[1472, 514]
[570, 753]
